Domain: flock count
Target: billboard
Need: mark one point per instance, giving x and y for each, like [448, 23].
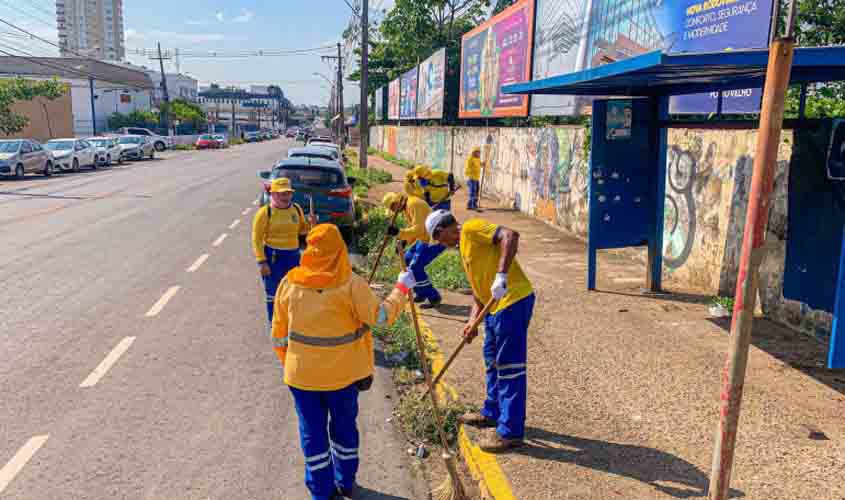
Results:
[575, 35]
[432, 80]
[379, 107]
[494, 54]
[393, 91]
[408, 101]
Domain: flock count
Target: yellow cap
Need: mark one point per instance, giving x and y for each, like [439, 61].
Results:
[391, 199]
[422, 172]
[281, 185]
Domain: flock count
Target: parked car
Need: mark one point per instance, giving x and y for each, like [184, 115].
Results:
[19, 157]
[302, 136]
[313, 152]
[291, 133]
[107, 150]
[160, 142]
[71, 154]
[326, 182]
[207, 141]
[267, 135]
[252, 136]
[136, 147]
[222, 140]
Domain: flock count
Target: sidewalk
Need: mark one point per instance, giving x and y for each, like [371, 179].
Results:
[623, 387]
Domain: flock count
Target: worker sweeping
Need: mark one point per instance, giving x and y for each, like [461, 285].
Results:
[321, 334]
[420, 252]
[276, 232]
[472, 171]
[488, 252]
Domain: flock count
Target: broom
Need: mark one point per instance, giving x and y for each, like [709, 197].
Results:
[464, 342]
[382, 247]
[451, 489]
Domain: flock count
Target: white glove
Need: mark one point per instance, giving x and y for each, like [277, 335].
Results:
[500, 286]
[407, 280]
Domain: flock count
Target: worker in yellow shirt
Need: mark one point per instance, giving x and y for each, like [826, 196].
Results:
[488, 252]
[321, 335]
[438, 187]
[420, 253]
[472, 172]
[276, 231]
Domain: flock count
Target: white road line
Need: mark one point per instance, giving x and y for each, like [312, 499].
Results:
[246, 211]
[234, 224]
[105, 365]
[158, 306]
[197, 263]
[17, 463]
[219, 240]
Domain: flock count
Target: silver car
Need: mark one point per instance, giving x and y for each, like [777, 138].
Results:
[71, 154]
[136, 147]
[108, 150]
[22, 156]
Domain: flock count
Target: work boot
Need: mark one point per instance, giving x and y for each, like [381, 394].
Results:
[432, 303]
[347, 492]
[418, 299]
[476, 419]
[495, 443]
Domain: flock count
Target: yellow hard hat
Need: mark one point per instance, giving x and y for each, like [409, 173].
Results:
[391, 199]
[281, 185]
[422, 172]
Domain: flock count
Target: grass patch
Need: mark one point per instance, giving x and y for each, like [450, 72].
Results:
[447, 271]
[366, 178]
[184, 147]
[417, 417]
[726, 302]
[236, 141]
[400, 339]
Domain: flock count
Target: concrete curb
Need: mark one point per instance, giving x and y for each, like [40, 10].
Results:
[483, 466]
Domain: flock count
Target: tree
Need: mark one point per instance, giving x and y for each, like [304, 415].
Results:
[137, 118]
[18, 89]
[187, 113]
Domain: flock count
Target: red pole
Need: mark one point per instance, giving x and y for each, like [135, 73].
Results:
[762, 185]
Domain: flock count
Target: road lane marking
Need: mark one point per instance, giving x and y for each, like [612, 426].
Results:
[246, 211]
[234, 224]
[158, 306]
[197, 263]
[104, 366]
[220, 239]
[17, 463]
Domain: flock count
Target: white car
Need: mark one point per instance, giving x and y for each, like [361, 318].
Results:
[222, 140]
[108, 150]
[136, 147]
[71, 154]
[160, 142]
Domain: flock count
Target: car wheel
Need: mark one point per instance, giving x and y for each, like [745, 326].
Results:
[120, 160]
[75, 167]
[108, 160]
[95, 164]
[19, 172]
[152, 154]
[48, 169]
[160, 146]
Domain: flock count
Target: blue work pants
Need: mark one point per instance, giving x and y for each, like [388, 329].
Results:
[417, 258]
[280, 262]
[472, 202]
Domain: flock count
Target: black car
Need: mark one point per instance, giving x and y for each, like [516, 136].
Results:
[313, 152]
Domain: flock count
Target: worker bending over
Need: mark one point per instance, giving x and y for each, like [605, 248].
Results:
[276, 232]
[488, 252]
[438, 187]
[472, 171]
[321, 334]
[420, 252]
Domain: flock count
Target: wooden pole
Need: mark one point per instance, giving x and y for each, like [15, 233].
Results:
[762, 185]
[381, 249]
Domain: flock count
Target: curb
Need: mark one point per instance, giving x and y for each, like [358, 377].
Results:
[483, 466]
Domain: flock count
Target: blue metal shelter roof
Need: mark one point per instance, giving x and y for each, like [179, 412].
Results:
[659, 74]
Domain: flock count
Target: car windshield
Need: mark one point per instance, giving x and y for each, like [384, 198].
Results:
[302, 177]
[130, 140]
[206, 138]
[102, 143]
[219, 137]
[331, 152]
[59, 145]
[9, 146]
[312, 154]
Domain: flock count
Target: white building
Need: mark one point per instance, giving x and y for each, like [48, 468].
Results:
[91, 28]
[111, 88]
[179, 86]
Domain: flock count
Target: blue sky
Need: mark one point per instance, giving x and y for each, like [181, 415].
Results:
[218, 25]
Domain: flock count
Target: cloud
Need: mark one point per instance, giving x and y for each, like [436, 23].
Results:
[220, 17]
[172, 37]
[245, 17]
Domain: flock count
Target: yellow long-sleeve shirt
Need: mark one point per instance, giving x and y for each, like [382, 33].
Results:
[416, 210]
[281, 231]
[438, 188]
[472, 168]
[323, 338]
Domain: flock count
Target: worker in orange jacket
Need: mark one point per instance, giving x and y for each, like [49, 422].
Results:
[321, 334]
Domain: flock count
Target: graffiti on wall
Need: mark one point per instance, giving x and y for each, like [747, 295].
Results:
[391, 144]
[679, 217]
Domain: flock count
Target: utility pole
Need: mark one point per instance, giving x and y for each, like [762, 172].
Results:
[364, 112]
[752, 254]
[165, 123]
[341, 121]
[93, 110]
[234, 123]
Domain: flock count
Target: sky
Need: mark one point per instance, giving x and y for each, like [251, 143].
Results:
[233, 25]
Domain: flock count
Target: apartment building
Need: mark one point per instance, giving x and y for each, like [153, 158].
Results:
[91, 28]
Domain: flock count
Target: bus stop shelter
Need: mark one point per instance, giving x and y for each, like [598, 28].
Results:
[629, 141]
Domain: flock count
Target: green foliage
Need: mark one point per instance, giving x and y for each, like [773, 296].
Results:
[400, 340]
[235, 141]
[417, 417]
[18, 89]
[447, 272]
[137, 118]
[726, 302]
[184, 147]
[186, 112]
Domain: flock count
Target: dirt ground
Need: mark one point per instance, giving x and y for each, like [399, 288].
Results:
[623, 386]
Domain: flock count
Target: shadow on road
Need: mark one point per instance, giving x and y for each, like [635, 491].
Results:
[364, 493]
[665, 472]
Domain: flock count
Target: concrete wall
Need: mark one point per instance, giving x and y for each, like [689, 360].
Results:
[47, 119]
[543, 172]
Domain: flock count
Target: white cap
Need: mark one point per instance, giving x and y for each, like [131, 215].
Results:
[434, 219]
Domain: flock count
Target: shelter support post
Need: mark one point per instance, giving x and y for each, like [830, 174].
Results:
[759, 201]
[659, 140]
[836, 356]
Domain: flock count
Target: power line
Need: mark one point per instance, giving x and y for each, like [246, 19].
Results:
[228, 54]
[39, 8]
[29, 14]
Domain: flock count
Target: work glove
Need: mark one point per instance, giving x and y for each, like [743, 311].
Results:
[264, 268]
[392, 231]
[500, 286]
[406, 280]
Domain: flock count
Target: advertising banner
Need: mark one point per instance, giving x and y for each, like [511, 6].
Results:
[393, 94]
[494, 54]
[379, 107]
[431, 92]
[575, 35]
[408, 101]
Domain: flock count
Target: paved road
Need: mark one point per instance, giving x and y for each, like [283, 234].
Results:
[123, 375]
